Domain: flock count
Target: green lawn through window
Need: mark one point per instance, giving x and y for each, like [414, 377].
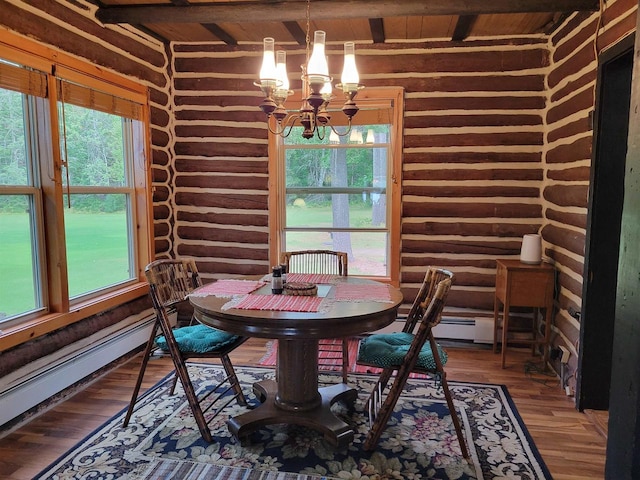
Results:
[100, 256]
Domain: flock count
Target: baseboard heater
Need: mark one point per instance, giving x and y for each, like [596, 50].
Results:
[70, 367]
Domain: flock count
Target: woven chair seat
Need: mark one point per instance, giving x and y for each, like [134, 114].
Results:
[386, 350]
[198, 339]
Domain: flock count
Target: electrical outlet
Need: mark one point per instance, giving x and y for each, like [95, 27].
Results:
[564, 358]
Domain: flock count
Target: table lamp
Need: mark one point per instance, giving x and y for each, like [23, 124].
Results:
[531, 251]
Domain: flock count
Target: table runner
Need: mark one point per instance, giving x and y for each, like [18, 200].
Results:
[287, 303]
[227, 288]
[312, 278]
[346, 292]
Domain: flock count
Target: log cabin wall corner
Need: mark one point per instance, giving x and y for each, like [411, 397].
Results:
[571, 85]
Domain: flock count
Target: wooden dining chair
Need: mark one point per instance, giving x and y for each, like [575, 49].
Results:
[170, 281]
[406, 352]
[329, 262]
[326, 262]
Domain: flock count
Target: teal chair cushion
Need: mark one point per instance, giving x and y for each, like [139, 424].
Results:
[386, 350]
[198, 339]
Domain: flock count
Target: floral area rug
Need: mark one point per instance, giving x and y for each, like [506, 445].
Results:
[418, 443]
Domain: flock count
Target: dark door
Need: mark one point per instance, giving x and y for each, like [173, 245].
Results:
[606, 197]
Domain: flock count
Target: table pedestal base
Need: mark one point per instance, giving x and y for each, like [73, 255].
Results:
[320, 418]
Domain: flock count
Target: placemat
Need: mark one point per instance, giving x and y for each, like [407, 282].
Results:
[346, 292]
[286, 303]
[227, 288]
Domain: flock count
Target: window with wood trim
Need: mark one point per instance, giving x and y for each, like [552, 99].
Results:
[74, 191]
[342, 192]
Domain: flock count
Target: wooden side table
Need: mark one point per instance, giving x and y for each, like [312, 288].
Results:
[523, 285]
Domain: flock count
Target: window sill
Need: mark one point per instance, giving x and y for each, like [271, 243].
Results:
[31, 329]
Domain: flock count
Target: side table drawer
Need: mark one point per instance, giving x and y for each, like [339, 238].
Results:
[530, 289]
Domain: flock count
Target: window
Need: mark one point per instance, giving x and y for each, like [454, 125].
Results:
[74, 216]
[20, 279]
[97, 151]
[341, 192]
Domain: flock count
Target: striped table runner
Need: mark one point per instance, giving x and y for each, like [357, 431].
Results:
[311, 278]
[287, 303]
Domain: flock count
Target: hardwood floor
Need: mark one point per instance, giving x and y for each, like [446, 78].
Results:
[569, 442]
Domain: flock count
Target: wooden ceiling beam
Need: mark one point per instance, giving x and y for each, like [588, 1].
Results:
[291, 10]
[463, 27]
[151, 33]
[296, 32]
[220, 33]
[212, 27]
[376, 25]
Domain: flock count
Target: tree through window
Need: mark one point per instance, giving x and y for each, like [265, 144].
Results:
[337, 191]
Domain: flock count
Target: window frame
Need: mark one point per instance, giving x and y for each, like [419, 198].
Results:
[391, 98]
[59, 311]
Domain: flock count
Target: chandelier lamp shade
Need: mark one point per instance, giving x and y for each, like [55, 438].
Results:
[317, 90]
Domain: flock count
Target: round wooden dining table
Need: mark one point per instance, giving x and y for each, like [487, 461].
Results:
[295, 397]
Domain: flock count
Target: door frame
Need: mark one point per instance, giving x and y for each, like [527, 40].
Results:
[606, 196]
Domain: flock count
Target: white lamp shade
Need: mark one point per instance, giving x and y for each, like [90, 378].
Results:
[318, 68]
[531, 251]
[281, 71]
[371, 138]
[268, 74]
[350, 77]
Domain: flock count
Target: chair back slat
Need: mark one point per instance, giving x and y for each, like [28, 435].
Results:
[316, 261]
[432, 279]
[431, 316]
[171, 281]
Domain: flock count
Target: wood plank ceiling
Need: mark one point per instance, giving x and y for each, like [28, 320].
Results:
[365, 21]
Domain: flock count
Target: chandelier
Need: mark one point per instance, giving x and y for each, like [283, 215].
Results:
[316, 88]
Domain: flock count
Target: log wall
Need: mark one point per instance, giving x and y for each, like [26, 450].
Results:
[472, 157]
[567, 156]
[497, 144]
